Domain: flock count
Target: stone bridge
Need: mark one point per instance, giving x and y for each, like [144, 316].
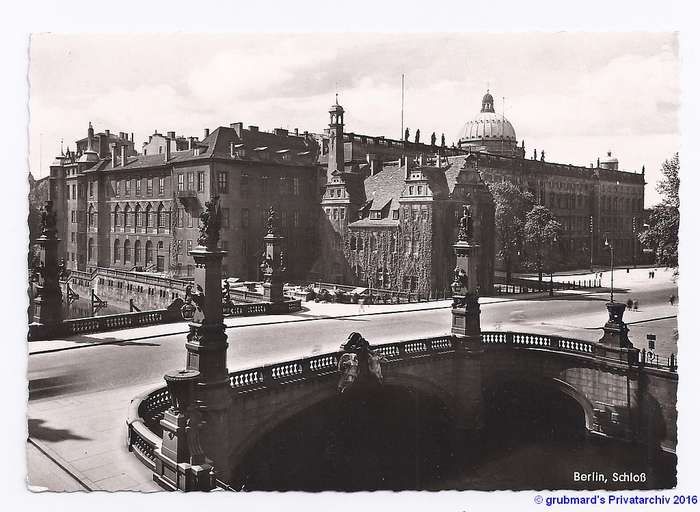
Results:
[606, 396]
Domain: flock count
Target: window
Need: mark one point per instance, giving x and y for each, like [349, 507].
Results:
[127, 216]
[149, 252]
[189, 246]
[244, 248]
[190, 222]
[180, 182]
[127, 251]
[91, 249]
[395, 215]
[335, 213]
[245, 217]
[284, 185]
[138, 217]
[180, 217]
[222, 182]
[373, 243]
[296, 218]
[420, 190]
[127, 187]
[353, 243]
[72, 191]
[200, 181]
[190, 181]
[72, 216]
[91, 218]
[161, 186]
[360, 244]
[117, 256]
[137, 252]
[225, 217]
[149, 221]
[138, 187]
[244, 184]
[342, 213]
[295, 184]
[91, 189]
[149, 187]
[72, 236]
[161, 217]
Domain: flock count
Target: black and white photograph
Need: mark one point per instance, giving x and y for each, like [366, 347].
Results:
[328, 261]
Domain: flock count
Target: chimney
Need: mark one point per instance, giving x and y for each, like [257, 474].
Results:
[405, 163]
[252, 128]
[238, 128]
[132, 136]
[190, 142]
[167, 149]
[171, 135]
[113, 147]
[281, 132]
[123, 148]
[206, 133]
[107, 133]
[296, 131]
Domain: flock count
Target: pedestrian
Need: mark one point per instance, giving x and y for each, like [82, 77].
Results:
[635, 304]
[653, 273]
[672, 299]
[629, 304]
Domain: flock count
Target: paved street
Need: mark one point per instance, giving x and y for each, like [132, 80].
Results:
[79, 397]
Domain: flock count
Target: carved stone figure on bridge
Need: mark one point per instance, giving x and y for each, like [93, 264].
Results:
[48, 219]
[359, 363]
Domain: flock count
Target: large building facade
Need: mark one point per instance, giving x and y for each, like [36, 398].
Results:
[140, 212]
[355, 209]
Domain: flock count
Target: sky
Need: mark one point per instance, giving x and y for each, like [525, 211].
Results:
[573, 95]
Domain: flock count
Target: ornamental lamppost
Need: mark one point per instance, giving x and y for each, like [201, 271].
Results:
[612, 267]
[551, 266]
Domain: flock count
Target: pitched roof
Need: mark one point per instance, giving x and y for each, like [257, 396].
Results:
[385, 186]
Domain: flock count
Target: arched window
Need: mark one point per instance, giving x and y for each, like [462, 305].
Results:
[127, 251]
[91, 218]
[137, 216]
[160, 246]
[127, 216]
[160, 217]
[117, 253]
[117, 217]
[353, 243]
[91, 249]
[149, 252]
[148, 219]
[137, 252]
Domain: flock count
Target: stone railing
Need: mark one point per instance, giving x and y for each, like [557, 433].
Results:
[120, 321]
[316, 366]
[543, 341]
[147, 410]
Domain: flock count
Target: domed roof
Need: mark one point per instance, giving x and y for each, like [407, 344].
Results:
[609, 159]
[487, 125]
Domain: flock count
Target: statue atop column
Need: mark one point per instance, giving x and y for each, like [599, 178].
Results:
[465, 224]
[210, 224]
[48, 219]
[270, 223]
[406, 134]
[433, 138]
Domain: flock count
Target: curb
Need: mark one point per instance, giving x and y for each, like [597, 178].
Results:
[53, 457]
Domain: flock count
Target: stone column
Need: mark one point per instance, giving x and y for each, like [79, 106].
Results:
[48, 313]
[273, 266]
[207, 341]
[466, 312]
[180, 464]
[466, 335]
[615, 342]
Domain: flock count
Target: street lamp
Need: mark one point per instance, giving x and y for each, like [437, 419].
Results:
[551, 266]
[612, 259]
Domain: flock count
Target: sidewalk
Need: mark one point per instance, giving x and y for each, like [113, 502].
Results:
[310, 311]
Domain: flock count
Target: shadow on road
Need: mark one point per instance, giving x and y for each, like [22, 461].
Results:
[37, 430]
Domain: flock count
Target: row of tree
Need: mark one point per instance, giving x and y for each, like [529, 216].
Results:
[527, 233]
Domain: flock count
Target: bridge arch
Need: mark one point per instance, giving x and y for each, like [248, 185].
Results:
[540, 393]
[323, 410]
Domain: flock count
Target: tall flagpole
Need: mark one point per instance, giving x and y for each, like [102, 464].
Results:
[402, 132]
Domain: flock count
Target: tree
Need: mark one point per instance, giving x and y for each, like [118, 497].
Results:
[511, 205]
[541, 232]
[662, 235]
